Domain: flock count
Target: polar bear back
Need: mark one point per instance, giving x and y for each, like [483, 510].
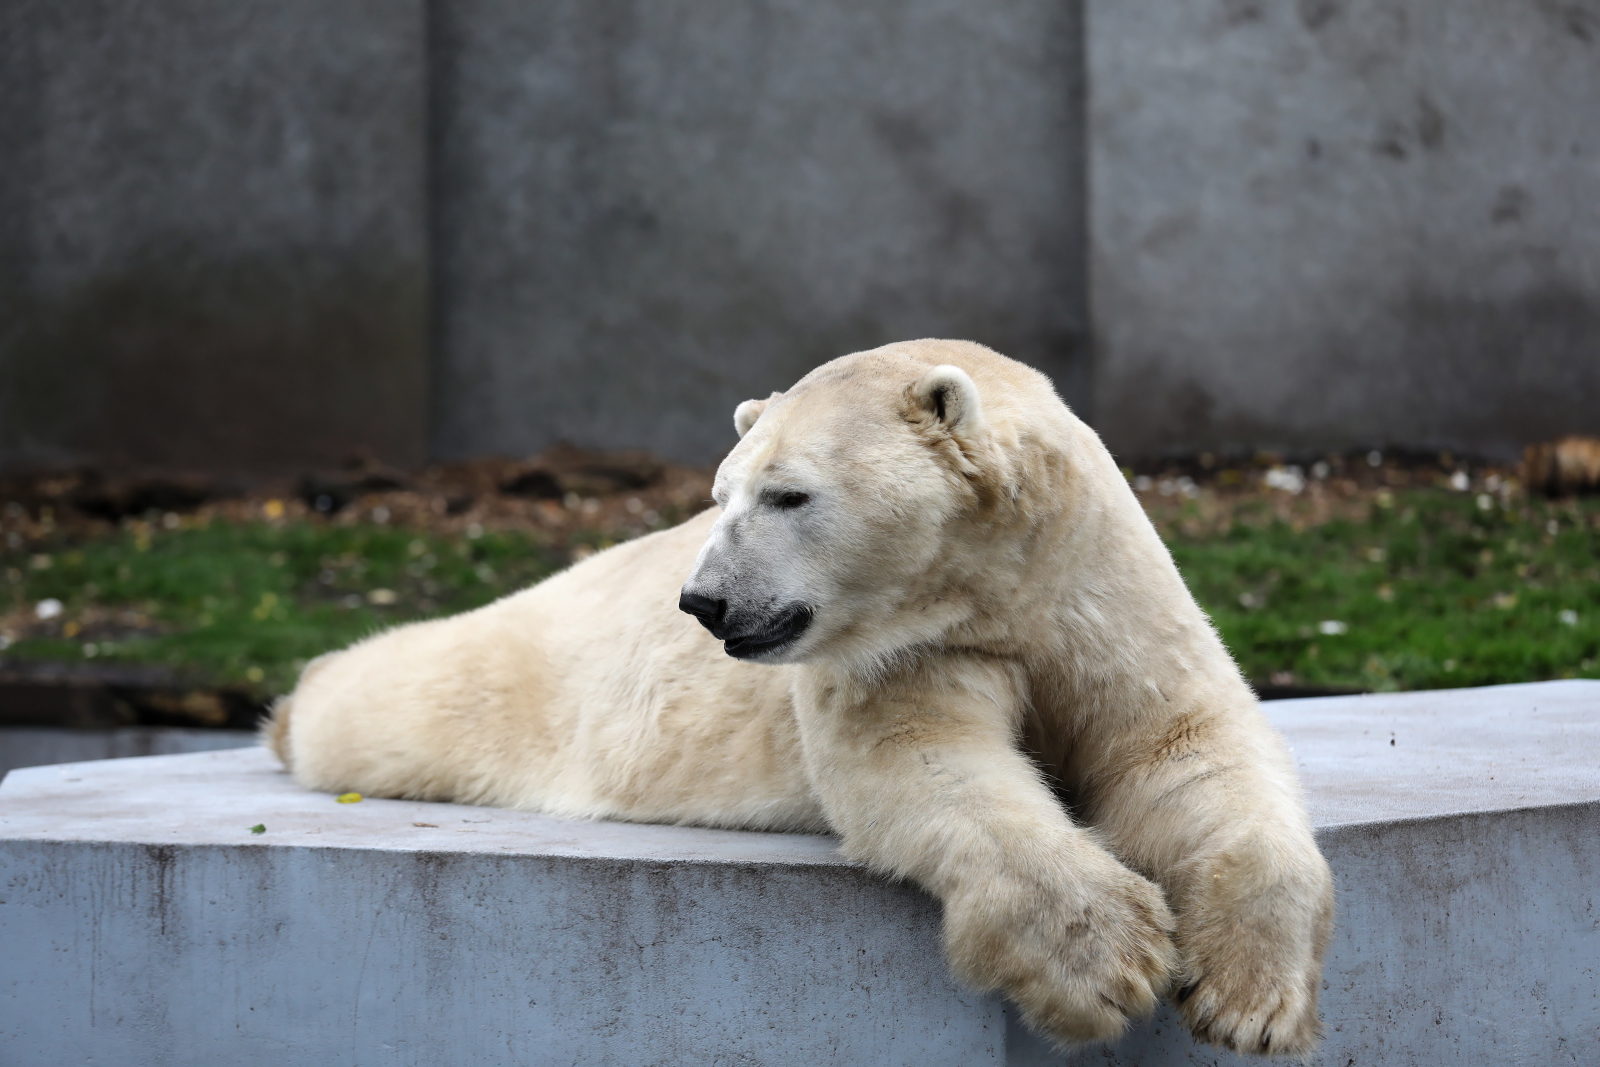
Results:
[588, 695]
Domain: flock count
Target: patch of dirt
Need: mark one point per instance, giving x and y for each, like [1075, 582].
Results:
[605, 496]
[578, 499]
[1206, 494]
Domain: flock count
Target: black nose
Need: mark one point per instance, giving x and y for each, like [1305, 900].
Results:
[708, 611]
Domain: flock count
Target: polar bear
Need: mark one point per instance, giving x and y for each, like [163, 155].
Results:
[934, 620]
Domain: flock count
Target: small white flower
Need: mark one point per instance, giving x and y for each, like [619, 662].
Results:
[1142, 484]
[48, 608]
[1568, 617]
[1289, 479]
[1485, 502]
[1460, 482]
[1320, 470]
[1374, 458]
[1332, 627]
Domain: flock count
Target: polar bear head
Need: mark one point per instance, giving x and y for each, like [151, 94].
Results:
[859, 505]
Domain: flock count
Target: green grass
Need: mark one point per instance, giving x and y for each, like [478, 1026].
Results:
[1431, 591]
[248, 604]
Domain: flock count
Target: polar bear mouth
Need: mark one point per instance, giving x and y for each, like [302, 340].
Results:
[781, 633]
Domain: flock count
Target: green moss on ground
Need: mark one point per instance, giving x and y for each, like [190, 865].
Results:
[247, 604]
[1431, 590]
[1423, 589]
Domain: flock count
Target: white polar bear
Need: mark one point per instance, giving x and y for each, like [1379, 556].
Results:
[932, 602]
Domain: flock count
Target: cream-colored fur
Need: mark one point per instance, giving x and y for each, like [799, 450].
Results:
[956, 615]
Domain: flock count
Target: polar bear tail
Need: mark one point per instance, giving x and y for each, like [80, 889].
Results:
[273, 732]
[274, 729]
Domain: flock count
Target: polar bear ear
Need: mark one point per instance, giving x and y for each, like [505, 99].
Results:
[746, 414]
[949, 395]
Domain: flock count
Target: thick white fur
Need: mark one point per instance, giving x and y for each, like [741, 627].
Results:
[995, 627]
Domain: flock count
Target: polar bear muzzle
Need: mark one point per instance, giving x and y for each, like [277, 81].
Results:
[747, 638]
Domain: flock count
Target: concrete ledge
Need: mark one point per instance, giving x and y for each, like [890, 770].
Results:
[144, 923]
[34, 746]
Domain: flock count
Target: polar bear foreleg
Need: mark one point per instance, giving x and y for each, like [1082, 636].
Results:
[922, 777]
[1207, 805]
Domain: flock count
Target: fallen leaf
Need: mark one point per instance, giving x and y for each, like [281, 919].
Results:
[259, 828]
[349, 798]
[432, 824]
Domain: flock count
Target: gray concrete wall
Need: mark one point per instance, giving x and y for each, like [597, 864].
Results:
[1334, 223]
[1330, 223]
[144, 923]
[213, 243]
[648, 212]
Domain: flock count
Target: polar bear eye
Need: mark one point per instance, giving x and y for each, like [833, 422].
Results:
[791, 499]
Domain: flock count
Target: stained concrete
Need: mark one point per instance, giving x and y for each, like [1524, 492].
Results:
[145, 923]
[647, 213]
[36, 746]
[213, 232]
[1342, 223]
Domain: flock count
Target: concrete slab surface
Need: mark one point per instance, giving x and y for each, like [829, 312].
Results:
[214, 798]
[1386, 756]
[1453, 751]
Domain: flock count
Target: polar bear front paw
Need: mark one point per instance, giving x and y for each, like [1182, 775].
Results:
[1253, 966]
[1078, 963]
